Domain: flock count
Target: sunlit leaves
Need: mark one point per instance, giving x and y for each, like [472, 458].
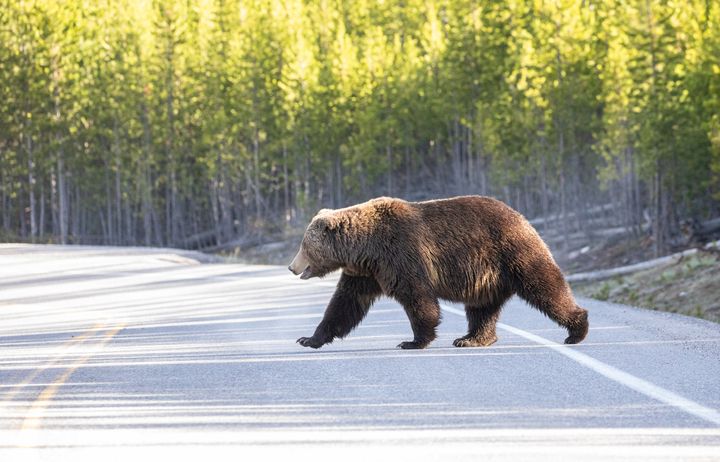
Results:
[192, 106]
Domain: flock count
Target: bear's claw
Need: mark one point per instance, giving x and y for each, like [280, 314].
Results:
[310, 342]
[573, 339]
[473, 342]
[411, 346]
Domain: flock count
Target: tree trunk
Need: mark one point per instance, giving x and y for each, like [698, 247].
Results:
[4, 201]
[146, 206]
[251, 191]
[456, 153]
[171, 205]
[635, 206]
[471, 162]
[214, 205]
[256, 175]
[54, 214]
[103, 226]
[330, 180]
[408, 171]
[544, 199]
[658, 218]
[41, 225]
[21, 215]
[225, 208]
[563, 207]
[130, 230]
[118, 192]
[157, 225]
[286, 186]
[62, 199]
[148, 210]
[389, 157]
[31, 183]
[240, 223]
[339, 185]
[76, 213]
[108, 233]
[299, 193]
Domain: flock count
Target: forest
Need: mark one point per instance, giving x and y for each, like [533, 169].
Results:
[193, 123]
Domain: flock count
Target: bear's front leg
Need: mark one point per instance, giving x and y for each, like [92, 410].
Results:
[348, 306]
[423, 311]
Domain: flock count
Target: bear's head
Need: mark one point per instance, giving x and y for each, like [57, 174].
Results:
[353, 238]
[318, 254]
[337, 239]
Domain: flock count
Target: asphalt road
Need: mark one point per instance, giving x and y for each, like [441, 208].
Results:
[110, 354]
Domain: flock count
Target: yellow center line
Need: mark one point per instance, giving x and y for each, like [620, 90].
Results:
[64, 349]
[37, 410]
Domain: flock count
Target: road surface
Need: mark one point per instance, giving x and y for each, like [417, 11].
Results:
[108, 354]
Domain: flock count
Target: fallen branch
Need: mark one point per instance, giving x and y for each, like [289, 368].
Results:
[622, 270]
[555, 217]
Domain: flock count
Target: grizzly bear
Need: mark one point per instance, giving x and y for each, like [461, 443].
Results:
[471, 249]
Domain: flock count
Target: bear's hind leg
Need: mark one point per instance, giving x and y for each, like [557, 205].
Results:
[563, 310]
[552, 296]
[482, 319]
[481, 330]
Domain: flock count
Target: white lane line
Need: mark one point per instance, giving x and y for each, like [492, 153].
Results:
[635, 383]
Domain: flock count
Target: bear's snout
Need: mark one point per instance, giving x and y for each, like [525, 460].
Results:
[301, 266]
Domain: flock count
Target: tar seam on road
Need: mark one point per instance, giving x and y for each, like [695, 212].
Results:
[635, 383]
[37, 409]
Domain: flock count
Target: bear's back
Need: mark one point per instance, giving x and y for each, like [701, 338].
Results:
[473, 218]
[472, 244]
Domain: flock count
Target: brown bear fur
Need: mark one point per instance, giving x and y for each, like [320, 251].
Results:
[474, 250]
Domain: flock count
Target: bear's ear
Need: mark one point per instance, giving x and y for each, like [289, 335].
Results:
[324, 211]
[328, 223]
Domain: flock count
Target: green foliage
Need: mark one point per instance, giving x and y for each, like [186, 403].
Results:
[150, 122]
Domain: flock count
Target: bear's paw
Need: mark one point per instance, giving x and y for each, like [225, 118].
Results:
[411, 345]
[311, 342]
[467, 341]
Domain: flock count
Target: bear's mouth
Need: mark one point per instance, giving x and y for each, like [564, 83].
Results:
[307, 273]
[301, 266]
